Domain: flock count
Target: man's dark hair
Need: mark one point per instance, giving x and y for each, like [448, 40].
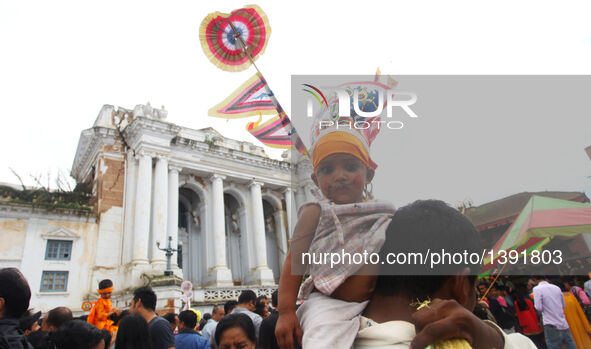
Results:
[15, 290]
[170, 317]
[261, 297]
[28, 319]
[241, 321]
[106, 283]
[107, 338]
[76, 334]
[206, 316]
[58, 316]
[247, 296]
[274, 298]
[147, 296]
[229, 306]
[432, 223]
[188, 318]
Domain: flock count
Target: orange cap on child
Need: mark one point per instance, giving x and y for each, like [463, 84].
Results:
[341, 142]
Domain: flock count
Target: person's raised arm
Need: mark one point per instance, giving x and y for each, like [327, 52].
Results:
[291, 277]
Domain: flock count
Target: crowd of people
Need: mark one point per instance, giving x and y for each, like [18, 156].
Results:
[552, 311]
[236, 324]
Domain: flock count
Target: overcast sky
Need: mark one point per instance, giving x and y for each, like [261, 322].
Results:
[62, 60]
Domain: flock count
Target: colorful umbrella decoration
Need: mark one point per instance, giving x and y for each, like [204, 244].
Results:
[542, 219]
[223, 37]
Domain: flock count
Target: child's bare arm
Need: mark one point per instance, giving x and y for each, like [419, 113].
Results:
[289, 284]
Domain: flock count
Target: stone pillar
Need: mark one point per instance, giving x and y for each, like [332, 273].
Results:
[141, 232]
[258, 223]
[160, 213]
[288, 208]
[130, 187]
[221, 274]
[262, 274]
[173, 210]
[279, 217]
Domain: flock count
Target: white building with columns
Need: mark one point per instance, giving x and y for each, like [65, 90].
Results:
[224, 204]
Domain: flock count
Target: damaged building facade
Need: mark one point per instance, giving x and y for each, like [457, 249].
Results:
[223, 204]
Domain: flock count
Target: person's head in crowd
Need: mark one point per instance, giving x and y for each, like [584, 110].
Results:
[143, 302]
[559, 283]
[494, 291]
[235, 331]
[204, 320]
[76, 334]
[501, 290]
[133, 333]
[531, 283]
[229, 306]
[187, 320]
[173, 319]
[569, 283]
[40, 340]
[274, 296]
[105, 288]
[482, 287]
[443, 227]
[539, 278]
[263, 299]
[55, 318]
[117, 319]
[261, 309]
[217, 313]
[247, 299]
[201, 324]
[107, 337]
[15, 293]
[519, 296]
[29, 322]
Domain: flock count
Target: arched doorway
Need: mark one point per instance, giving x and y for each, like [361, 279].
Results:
[191, 235]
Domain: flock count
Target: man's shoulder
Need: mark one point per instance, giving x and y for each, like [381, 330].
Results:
[270, 320]
[159, 323]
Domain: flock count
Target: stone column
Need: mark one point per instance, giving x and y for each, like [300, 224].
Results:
[222, 276]
[258, 223]
[173, 210]
[130, 187]
[263, 275]
[219, 223]
[288, 208]
[160, 213]
[279, 217]
[141, 232]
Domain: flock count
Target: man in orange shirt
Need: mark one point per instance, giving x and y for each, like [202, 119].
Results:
[103, 309]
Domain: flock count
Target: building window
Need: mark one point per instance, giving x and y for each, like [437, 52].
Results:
[58, 250]
[54, 281]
